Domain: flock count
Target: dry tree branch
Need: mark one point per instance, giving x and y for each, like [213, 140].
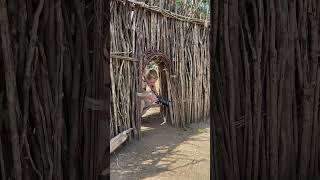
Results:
[11, 89]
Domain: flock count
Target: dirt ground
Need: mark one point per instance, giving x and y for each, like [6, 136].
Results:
[164, 153]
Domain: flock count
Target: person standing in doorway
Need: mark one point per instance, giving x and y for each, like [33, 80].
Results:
[149, 98]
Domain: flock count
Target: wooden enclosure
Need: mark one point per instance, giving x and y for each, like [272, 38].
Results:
[165, 68]
[54, 85]
[137, 28]
[265, 89]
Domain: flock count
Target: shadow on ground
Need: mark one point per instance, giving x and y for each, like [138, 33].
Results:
[164, 152]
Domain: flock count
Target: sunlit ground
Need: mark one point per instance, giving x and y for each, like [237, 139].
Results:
[164, 153]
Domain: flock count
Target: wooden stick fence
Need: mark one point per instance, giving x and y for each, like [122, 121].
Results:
[184, 40]
[53, 89]
[265, 90]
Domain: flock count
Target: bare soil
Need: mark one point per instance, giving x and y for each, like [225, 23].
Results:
[164, 152]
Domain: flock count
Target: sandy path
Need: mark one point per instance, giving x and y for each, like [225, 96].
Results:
[164, 153]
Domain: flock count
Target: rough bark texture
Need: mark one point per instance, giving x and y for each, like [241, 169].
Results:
[54, 89]
[265, 89]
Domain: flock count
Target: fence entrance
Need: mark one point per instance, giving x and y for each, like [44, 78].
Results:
[164, 69]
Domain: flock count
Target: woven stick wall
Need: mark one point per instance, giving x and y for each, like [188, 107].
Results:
[136, 28]
[54, 87]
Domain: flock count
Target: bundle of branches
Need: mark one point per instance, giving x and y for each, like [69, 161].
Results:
[265, 89]
[51, 66]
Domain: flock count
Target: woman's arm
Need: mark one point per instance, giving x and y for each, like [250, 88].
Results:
[151, 98]
[148, 96]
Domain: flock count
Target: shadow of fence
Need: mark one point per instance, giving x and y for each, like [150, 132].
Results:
[159, 150]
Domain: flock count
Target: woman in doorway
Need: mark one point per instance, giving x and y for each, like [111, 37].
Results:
[149, 98]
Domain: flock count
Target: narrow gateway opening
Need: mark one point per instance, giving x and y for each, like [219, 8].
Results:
[156, 73]
[154, 115]
[151, 116]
